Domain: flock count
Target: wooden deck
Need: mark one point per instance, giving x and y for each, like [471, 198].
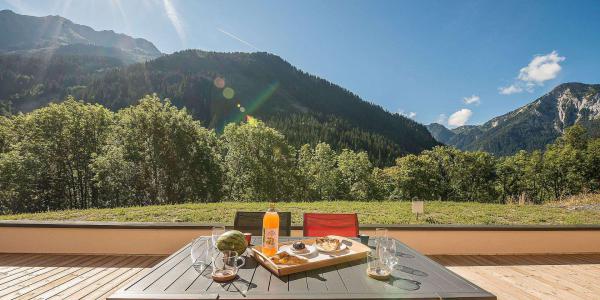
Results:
[42, 276]
[530, 276]
[28, 276]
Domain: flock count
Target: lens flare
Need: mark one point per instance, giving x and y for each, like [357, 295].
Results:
[228, 93]
[219, 82]
[251, 120]
[252, 105]
[242, 109]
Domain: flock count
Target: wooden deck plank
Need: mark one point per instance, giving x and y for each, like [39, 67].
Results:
[26, 280]
[45, 276]
[77, 281]
[530, 276]
[49, 284]
[100, 279]
[126, 279]
[40, 280]
[117, 277]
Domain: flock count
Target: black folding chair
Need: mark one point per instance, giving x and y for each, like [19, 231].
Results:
[247, 221]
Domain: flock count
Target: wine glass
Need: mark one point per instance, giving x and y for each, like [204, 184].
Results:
[216, 232]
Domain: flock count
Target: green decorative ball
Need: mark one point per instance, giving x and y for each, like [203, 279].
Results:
[232, 240]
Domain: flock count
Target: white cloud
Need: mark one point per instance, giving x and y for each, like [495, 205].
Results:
[511, 89]
[474, 99]
[442, 119]
[542, 68]
[460, 117]
[174, 18]
[410, 115]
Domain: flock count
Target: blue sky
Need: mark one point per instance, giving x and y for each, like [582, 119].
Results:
[425, 59]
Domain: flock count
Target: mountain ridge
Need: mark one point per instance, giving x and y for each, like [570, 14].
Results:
[23, 34]
[304, 107]
[531, 126]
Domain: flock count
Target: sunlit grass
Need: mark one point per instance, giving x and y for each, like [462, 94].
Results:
[373, 212]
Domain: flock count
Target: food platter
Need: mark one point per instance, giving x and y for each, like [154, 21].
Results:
[286, 262]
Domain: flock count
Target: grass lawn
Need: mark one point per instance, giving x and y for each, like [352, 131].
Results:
[578, 210]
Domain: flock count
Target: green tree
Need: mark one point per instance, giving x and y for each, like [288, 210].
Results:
[157, 154]
[48, 162]
[473, 176]
[259, 163]
[563, 170]
[382, 185]
[592, 164]
[440, 163]
[413, 176]
[318, 168]
[5, 133]
[511, 180]
[575, 136]
[355, 170]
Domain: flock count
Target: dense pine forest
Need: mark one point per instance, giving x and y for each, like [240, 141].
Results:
[218, 88]
[81, 155]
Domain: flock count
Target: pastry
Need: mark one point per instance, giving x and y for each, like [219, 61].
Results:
[328, 244]
[284, 258]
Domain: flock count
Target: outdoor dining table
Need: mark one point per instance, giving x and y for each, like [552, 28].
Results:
[415, 277]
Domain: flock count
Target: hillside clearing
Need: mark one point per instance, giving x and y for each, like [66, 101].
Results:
[582, 210]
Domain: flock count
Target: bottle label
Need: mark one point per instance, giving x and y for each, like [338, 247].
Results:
[270, 238]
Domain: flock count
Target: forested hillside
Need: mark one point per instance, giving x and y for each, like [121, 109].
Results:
[532, 126]
[218, 88]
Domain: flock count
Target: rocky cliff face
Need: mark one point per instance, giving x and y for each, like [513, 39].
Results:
[533, 125]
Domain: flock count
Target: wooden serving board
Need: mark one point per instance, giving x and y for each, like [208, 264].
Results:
[355, 251]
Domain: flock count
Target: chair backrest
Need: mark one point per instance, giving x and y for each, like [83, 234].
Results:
[316, 224]
[250, 221]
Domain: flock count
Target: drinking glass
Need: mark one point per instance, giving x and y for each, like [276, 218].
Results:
[376, 267]
[388, 253]
[381, 234]
[216, 233]
[201, 253]
[226, 264]
[380, 238]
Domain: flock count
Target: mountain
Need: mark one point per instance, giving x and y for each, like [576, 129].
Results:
[305, 108]
[23, 34]
[218, 88]
[46, 59]
[440, 133]
[532, 126]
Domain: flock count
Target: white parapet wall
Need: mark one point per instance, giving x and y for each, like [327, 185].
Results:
[165, 238]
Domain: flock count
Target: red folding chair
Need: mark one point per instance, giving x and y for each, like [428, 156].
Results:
[316, 224]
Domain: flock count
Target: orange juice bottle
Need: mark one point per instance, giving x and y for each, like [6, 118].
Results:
[270, 231]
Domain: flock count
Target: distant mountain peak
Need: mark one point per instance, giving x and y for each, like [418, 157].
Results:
[23, 34]
[533, 125]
